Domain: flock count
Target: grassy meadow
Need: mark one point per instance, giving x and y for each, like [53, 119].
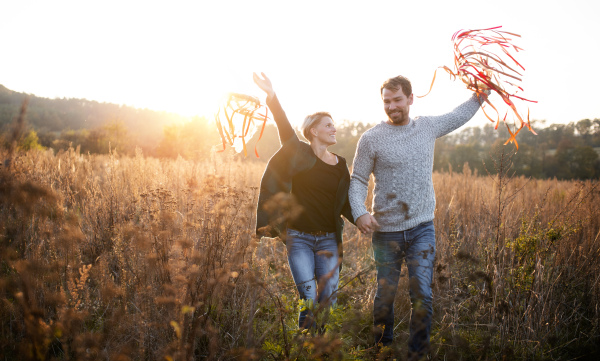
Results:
[105, 257]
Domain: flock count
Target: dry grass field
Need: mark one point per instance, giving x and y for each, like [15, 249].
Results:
[136, 258]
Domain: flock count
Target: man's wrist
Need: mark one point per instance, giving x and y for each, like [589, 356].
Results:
[362, 215]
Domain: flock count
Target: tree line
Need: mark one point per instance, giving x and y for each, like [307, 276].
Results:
[564, 151]
[58, 123]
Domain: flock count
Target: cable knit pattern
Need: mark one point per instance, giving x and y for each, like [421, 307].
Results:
[401, 159]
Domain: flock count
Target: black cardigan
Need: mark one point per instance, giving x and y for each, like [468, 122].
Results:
[274, 199]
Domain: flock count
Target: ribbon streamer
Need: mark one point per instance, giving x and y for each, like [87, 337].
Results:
[479, 64]
[238, 119]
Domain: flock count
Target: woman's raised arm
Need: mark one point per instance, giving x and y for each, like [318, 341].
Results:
[283, 124]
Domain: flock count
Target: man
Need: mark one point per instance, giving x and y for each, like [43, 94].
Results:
[399, 153]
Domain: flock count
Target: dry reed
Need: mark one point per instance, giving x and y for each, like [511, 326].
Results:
[131, 258]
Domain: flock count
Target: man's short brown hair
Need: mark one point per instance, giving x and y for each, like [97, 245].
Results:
[396, 83]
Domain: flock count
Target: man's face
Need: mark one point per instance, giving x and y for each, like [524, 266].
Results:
[396, 105]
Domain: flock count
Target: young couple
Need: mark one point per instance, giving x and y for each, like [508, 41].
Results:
[399, 153]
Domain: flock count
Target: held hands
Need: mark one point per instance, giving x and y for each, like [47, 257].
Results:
[264, 83]
[367, 223]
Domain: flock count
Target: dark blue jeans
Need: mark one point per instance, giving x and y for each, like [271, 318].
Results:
[314, 264]
[417, 247]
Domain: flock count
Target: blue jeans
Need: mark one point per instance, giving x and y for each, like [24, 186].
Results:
[417, 246]
[314, 264]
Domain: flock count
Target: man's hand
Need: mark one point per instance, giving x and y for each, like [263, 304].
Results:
[482, 86]
[367, 223]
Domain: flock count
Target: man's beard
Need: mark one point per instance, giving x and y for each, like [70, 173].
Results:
[396, 117]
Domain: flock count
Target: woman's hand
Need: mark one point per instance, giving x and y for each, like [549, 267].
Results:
[265, 84]
[367, 223]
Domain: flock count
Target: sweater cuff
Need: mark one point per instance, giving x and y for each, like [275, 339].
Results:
[359, 213]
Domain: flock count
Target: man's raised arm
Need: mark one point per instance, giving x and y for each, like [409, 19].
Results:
[444, 124]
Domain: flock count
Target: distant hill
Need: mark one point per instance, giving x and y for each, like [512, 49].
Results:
[46, 115]
[95, 127]
[564, 151]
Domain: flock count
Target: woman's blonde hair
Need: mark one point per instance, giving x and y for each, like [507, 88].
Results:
[310, 121]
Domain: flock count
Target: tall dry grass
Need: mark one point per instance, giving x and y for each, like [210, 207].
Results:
[117, 258]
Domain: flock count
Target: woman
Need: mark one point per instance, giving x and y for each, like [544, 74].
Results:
[318, 181]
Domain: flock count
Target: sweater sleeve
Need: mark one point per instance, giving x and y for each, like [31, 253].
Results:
[362, 167]
[283, 124]
[444, 124]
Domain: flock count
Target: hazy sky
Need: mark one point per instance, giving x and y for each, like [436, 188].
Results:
[321, 55]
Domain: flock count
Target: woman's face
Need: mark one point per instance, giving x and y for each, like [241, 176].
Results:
[324, 131]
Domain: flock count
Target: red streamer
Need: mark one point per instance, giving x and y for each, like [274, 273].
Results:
[479, 65]
[245, 116]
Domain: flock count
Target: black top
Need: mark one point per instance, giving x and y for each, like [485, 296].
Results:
[315, 191]
[293, 158]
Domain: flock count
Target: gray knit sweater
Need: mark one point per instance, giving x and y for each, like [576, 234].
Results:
[401, 159]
